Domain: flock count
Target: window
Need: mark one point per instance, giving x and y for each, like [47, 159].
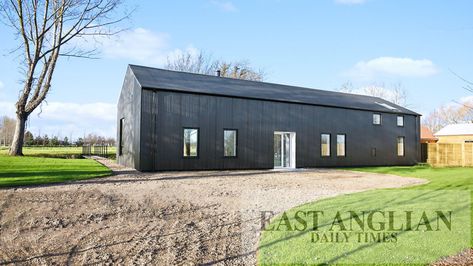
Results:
[341, 145]
[120, 137]
[325, 145]
[400, 146]
[400, 121]
[373, 152]
[191, 142]
[229, 143]
[385, 105]
[376, 119]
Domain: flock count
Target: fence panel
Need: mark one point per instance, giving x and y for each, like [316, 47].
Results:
[100, 150]
[468, 154]
[450, 154]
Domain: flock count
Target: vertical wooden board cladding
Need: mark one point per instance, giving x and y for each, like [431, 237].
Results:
[169, 120]
[166, 113]
[128, 109]
[148, 117]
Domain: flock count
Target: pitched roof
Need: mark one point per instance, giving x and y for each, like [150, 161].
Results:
[425, 133]
[155, 78]
[456, 130]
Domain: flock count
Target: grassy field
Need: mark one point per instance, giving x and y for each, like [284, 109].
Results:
[30, 170]
[448, 189]
[54, 152]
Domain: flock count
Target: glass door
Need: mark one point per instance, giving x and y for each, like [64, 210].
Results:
[284, 149]
[286, 146]
[277, 150]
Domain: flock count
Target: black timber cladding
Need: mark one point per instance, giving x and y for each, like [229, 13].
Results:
[157, 122]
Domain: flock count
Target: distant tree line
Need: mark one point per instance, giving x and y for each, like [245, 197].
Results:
[460, 112]
[7, 129]
[53, 141]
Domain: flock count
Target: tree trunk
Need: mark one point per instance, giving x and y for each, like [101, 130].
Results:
[16, 148]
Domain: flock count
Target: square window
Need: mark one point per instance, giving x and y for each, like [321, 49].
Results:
[376, 119]
[400, 121]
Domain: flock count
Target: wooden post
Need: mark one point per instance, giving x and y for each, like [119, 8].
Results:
[463, 154]
[437, 155]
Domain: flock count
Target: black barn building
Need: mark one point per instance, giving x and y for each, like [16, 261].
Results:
[170, 120]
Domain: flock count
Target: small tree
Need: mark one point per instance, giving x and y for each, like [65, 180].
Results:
[29, 139]
[54, 141]
[45, 140]
[65, 142]
[79, 142]
[44, 28]
[38, 140]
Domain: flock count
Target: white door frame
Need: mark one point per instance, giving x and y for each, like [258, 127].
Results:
[292, 148]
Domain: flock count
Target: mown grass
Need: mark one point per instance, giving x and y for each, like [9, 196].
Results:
[448, 188]
[32, 170]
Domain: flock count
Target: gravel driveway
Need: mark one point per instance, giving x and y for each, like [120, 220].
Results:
[167, 218]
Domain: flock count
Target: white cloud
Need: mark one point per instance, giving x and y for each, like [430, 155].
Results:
[2, 86]
[350, 2]
[65, 119]
[467, 99]
[139, 45]
[392, 67]
[225, 5]
[71, 112]
[177, 53]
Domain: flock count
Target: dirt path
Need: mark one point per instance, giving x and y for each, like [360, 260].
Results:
[166, 218]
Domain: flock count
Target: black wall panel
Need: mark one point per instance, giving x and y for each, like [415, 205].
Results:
[165, 114]
[129, 109]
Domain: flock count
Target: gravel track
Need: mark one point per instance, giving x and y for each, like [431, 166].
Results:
[209, 217]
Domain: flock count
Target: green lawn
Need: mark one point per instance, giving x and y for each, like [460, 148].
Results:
[30, 170]
[449, 189]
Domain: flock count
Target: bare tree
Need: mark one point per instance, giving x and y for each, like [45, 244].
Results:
[395, 93]
[468, 84]
[449, 114]
[44, 28]
[202, 63]
[462, 112]
[189, 61]
[7, 129]
[399, 95]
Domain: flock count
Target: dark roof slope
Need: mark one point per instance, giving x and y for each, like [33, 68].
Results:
[155, 78]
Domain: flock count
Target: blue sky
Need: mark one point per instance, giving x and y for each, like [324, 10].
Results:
[317, 44]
